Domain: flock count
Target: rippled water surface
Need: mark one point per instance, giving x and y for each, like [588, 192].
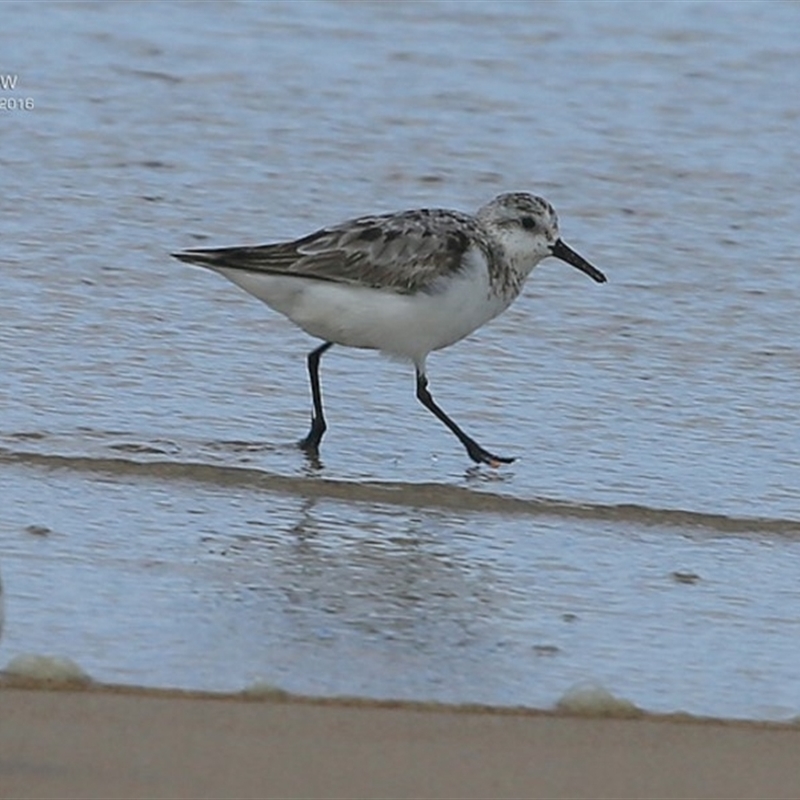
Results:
[157, 524]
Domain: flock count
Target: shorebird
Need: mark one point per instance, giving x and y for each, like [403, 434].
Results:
[405, 284]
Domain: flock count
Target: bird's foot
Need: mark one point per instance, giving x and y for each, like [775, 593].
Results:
[481, 456]
[310, 449]
[310, 444]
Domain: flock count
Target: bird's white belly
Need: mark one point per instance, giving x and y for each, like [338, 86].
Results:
[404, 325]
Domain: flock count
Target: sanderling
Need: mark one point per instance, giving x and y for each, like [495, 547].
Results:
[405, 284]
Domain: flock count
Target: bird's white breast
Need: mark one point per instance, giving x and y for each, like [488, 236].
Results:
[403, 325]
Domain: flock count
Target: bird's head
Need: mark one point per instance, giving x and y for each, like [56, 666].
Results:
[526, 227]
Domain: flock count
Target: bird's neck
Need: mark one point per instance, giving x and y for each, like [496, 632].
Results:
[509, 271]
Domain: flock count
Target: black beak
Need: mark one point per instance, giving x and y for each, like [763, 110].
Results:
[566, 253]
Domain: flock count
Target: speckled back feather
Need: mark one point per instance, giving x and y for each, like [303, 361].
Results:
[404, 252]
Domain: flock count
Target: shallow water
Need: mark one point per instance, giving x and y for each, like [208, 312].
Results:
[157, 524]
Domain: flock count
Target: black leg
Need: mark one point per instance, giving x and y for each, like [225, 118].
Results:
[311, 443]
[474, 450]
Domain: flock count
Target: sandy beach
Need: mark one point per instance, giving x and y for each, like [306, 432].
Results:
[107, 742]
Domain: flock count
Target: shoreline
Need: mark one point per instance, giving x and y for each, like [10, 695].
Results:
[95, 740]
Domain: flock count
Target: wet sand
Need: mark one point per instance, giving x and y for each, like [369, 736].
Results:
[101, 742]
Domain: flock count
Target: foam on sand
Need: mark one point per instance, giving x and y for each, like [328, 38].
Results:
[51, 670]
[590, 699]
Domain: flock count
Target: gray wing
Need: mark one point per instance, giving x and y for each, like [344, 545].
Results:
[403, 252]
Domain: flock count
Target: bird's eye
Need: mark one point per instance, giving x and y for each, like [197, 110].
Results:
[529, 223]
